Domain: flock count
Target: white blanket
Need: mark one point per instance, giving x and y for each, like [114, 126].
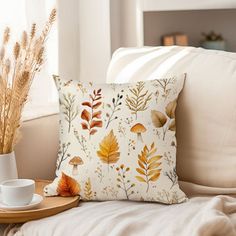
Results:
[200, 216]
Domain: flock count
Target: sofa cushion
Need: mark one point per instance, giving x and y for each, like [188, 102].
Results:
[206, 115]
[36, 152]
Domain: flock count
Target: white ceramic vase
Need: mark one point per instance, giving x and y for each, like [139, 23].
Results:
[8, 169]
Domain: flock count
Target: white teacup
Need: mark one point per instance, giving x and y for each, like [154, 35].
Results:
[17, 192]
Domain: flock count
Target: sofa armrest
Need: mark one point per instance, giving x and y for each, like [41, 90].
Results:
[36, 152]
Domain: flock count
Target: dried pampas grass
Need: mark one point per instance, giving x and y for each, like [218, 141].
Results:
[16, 76]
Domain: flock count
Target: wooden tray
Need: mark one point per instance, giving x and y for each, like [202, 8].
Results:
[48, 207]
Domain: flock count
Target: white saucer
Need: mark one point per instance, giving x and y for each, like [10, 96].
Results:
[37, 199]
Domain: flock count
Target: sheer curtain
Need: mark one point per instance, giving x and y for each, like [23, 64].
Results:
[19, 15]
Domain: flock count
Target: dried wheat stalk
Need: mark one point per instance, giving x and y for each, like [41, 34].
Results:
[16, 76]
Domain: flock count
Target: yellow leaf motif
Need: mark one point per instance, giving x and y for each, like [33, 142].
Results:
[88, 193]
[109, 149]
[149, 163]
[141, 179]
[140, 171]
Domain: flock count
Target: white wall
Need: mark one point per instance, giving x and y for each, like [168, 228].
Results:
[95, 39]
[115, 19]
[84, 39]
[91, 30]
[167, 5]
[124, 24]
[69, 53]
[128, 23]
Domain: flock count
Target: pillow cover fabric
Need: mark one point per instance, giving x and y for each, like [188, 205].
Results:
[117, 141]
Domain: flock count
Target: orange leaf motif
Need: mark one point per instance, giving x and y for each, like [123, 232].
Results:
[91, 116]
[88, 104]
[97, 114]
[96, 105]
[84, 125]
[109, 149]
[93, 131]
[67, 186]
[85, 115]
[96, 123]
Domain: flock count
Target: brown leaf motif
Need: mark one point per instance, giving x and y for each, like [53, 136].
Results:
[164, 85]
[138, 100]
[67, 186]
[109, 149]
[124, 182]
[69, 108]
[149, 165]
[172, 126]
[62, 153]
[158, 118]
[91, 117]
[114, 107]
[170, 109]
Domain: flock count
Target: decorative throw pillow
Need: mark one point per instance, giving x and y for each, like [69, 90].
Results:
[117, 141]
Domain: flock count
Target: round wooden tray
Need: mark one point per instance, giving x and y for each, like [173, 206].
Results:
[48, 207]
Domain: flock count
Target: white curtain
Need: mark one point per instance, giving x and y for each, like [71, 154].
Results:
[19, 15]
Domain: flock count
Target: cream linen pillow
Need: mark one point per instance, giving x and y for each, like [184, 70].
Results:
[117, 141]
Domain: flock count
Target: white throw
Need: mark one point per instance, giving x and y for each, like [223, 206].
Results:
[200, 216]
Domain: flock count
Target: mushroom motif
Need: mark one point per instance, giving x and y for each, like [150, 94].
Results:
[138, 129]
[75, 161]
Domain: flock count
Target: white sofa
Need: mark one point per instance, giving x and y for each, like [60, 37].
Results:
[206, 156]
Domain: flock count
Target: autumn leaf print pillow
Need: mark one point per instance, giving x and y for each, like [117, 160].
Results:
[117, 141]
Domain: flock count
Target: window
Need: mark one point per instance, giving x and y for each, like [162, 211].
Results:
[19, 15]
